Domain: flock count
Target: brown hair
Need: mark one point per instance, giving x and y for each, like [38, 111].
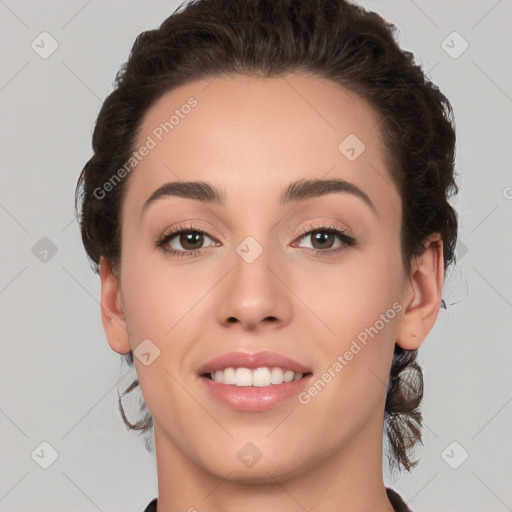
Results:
[332, 39]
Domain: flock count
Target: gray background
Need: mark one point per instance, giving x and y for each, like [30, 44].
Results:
[58, 376]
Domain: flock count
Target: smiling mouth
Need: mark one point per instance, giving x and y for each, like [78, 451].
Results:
[259, 377]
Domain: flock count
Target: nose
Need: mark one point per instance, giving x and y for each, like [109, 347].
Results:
[254, 295]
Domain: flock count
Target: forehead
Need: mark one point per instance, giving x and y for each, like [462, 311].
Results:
[251, 134]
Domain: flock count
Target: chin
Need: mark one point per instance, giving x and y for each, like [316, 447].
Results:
[261, 473]
[246, 464]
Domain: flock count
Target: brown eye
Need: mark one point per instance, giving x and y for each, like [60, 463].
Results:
[184, 241]
[191, 240]
[322, 239]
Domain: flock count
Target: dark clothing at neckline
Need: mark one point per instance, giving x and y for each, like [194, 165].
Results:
[396, 500]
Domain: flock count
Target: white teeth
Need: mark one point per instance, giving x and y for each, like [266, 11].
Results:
[288, 376]
[261, 377]
[276, 376]
[243, 377]
[228, 376]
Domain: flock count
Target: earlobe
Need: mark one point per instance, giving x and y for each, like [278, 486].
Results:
[422, 295]
[112, 311]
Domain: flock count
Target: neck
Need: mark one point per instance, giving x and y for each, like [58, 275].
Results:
[345, 480]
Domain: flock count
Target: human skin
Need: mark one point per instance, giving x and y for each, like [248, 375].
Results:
[252, 137]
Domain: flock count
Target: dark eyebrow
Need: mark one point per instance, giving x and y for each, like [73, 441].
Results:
[305, 189]
[297, 191]
[199, 190]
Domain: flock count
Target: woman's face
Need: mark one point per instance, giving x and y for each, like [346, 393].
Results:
[246, 278]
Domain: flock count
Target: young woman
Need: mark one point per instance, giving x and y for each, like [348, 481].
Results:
[267, 209]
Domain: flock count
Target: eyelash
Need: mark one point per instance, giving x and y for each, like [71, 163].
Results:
[345, 238]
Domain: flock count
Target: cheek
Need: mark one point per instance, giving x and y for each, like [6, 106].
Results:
[351, 297]
[156, 302]
[354, 362]
[156, 297]
[359, 306]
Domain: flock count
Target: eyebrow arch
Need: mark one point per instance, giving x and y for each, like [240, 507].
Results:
[296, 191]
[305, 189]
[199, 190]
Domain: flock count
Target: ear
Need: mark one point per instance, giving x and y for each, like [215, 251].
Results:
[112, 314]
[422, 295]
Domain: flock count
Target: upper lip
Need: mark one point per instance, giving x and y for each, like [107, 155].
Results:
[252, 361]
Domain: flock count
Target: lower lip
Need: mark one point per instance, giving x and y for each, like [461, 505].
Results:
[255, 399]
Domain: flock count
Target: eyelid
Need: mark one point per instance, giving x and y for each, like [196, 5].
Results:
[188, 226]
[318, 225]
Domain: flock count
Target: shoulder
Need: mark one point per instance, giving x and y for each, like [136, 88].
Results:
[397, 501]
